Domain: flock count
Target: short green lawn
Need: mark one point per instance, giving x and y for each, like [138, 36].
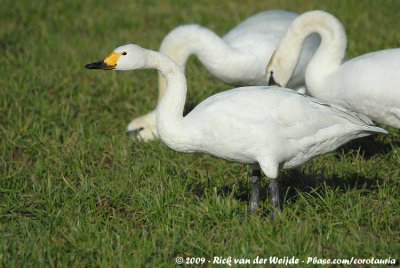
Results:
[76, 191]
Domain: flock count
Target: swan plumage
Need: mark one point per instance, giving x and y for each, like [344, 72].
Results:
[270, 126]
[368, 84]
[259, 125]
[239, 58]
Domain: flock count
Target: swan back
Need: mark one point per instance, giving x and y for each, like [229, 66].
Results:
[268, 24]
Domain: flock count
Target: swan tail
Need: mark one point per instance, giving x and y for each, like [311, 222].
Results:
[374, 130]
[356, 118]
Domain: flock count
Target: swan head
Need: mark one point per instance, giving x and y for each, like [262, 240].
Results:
[277, 73]
[127, 57]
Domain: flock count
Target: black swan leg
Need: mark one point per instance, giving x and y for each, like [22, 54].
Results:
[255, 179]
[274, 197]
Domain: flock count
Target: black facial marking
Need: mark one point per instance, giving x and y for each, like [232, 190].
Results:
[272, 81]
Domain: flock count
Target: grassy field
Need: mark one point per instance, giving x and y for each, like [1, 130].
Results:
[76, 191]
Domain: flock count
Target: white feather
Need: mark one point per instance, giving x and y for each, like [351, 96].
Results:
[239, 58]
[368, 84]
[269, 126]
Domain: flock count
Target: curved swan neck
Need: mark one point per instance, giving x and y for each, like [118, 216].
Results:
[187, 40]
[170, 109]
[193, 39]
[331, 51]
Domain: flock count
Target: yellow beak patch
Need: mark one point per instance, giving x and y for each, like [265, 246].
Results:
[111, 60]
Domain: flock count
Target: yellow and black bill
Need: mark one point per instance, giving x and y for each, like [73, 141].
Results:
[108, 63]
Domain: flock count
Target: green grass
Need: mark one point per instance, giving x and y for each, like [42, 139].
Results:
[75, 191]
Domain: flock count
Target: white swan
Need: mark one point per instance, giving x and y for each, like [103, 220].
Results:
[262, 126]
[239, 58]
[368, 84]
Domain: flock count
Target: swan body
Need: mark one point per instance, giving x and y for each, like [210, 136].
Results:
[269, 126]
[259, 125]
[368, 84]
[239, 58]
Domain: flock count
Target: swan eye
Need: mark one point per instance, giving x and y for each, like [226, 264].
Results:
[124, 53]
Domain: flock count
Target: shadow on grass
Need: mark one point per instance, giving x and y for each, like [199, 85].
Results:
[297, 182]
[371, 146]
[239, 190]
[293, 183]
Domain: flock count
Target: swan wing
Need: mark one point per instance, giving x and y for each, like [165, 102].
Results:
[294, 115]
[252, 123]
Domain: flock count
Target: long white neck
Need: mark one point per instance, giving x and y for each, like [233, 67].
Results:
[330, 53]
[188, 40]
[170, 109]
